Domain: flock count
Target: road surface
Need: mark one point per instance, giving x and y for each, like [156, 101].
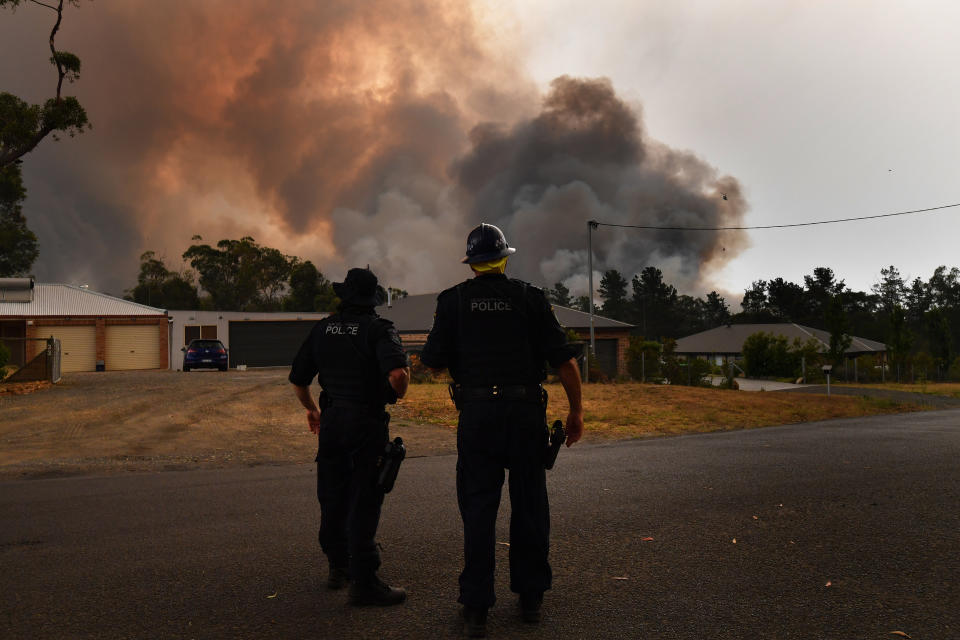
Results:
[842, 529]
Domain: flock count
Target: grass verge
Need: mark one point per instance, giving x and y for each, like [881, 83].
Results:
[634, 410]
[949, 389]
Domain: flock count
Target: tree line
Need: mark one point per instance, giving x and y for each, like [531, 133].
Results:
[235, 275]
[919, 321]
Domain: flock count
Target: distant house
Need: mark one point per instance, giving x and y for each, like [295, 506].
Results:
[413, 317]
[96, 331]
[727, 341]
[252, 338]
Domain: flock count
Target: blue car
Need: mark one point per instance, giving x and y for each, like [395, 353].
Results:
[205, 354]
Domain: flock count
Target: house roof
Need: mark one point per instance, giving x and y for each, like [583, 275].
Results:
[730, 338]
[190, 315]
[414, 314]
[69, 300]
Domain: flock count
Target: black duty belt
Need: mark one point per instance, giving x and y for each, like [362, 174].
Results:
[533, 393]
[354, 404]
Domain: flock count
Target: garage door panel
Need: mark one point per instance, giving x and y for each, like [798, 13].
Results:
[607, 356]
[78, 346]
[267, 343]
[131, 347]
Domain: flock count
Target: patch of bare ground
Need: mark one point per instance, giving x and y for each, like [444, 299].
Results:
[111, 422]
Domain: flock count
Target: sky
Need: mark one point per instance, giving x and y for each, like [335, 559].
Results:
[381, 132]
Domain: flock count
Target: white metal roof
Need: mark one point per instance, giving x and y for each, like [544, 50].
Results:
[71, 301]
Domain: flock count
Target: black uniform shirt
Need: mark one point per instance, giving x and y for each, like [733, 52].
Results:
[495, 330]
[383, 338]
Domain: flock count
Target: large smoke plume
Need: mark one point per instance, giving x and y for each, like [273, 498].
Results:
[347, 133]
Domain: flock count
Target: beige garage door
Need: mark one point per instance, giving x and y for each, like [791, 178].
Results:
[78, 346]
[132, 347]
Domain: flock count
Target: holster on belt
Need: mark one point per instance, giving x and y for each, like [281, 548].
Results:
[454, 390]
[557, 436]
[389, 464]
[324, 401]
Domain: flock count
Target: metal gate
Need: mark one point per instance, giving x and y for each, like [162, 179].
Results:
[44, 366]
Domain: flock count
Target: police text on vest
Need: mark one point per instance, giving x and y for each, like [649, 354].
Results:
[338, 329]
[490, 304]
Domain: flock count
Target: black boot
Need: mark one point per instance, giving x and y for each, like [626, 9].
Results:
[530, 607]
[475, 622]
[338, 577]
[374, 591]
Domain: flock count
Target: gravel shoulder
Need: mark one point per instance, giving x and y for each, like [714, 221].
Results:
[923, 399]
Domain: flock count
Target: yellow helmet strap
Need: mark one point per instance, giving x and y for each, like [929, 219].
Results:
[492, 266]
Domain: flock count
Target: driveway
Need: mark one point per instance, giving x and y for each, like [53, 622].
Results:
[749, 384]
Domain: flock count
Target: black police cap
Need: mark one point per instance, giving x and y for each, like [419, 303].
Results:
[486, 243]
[360, 288]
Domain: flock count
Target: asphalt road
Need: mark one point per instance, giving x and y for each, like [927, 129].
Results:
[842, 529]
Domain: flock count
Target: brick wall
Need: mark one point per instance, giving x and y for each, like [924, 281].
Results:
[623, 342]
[413, 340]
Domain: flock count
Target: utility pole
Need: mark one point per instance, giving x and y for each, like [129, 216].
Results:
[591, 225]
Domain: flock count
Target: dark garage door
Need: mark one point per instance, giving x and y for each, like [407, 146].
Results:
[607, 356]
[267, 343]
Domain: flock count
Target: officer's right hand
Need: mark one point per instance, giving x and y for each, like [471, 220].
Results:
[574, 426]
[313, 419]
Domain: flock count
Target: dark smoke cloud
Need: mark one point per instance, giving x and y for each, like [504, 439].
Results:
[585, 157]
[347, 133]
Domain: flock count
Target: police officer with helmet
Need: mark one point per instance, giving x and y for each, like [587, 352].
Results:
[360, 364]
[495, 336]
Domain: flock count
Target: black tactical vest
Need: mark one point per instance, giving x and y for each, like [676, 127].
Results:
[494, 345]
[349, 371]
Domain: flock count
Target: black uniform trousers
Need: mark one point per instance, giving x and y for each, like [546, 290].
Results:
[349, 443]
[493, 435]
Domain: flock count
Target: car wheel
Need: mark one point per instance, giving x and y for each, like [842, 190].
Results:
[223, 368]
[186, 368]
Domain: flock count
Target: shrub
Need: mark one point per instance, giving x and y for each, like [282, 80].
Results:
[924, 367]
[595, 374]
[766, 354]
[868, 369]
[954, 372]
[421, 373]
[670, 367]
[643, 358]
[697, 372]
[771, 356]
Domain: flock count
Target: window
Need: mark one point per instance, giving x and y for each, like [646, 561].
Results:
[196, 332]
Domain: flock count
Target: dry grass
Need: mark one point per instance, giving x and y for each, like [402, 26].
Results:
[22, 388]
[149, 421]
[949, 389]
[634, 410]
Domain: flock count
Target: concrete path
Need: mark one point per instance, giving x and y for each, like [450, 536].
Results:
[750, 384]
[832, 530]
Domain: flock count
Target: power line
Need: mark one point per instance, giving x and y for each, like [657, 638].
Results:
[771, 226]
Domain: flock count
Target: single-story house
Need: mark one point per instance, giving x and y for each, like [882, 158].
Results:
[252, 338]
[727, 341]
[413, 318]
[96, 331]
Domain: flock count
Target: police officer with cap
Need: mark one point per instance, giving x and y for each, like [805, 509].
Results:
[495, 335]
[360, 364]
